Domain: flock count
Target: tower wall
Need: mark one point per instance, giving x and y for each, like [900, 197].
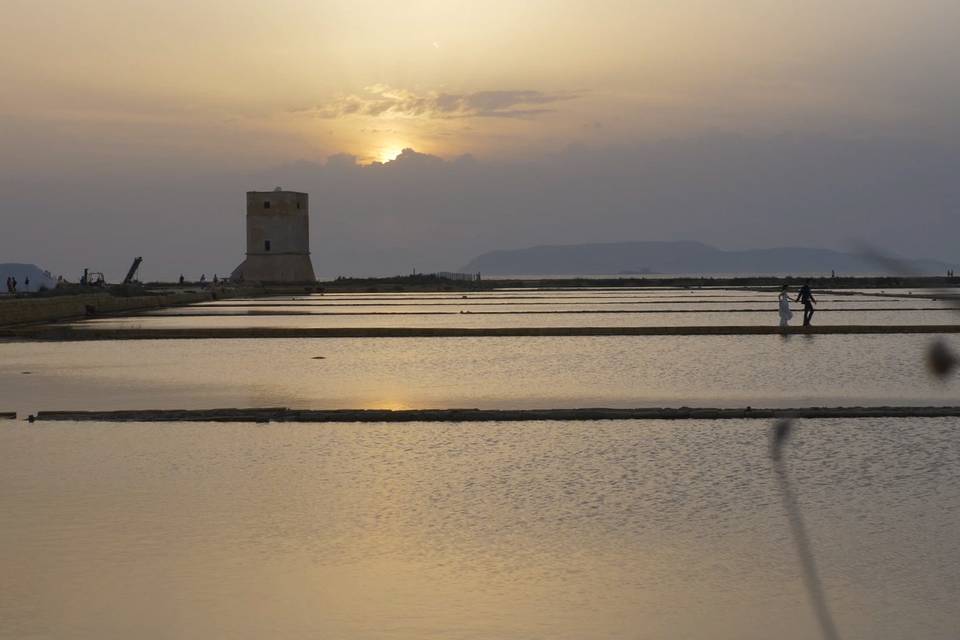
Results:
[281, 218]
[278, 238]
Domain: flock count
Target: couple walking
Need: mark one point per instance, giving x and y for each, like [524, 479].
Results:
[805, 296]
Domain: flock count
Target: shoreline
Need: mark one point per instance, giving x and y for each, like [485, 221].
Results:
[426, 283]
[30, 309]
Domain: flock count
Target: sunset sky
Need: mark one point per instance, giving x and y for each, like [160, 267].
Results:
[175, 108]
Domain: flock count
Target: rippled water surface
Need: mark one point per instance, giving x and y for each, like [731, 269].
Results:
[552, 530]
[513, 372]
[485, 319]
[522, 530]
[537, 308]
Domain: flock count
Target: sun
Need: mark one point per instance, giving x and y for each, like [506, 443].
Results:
[390, 153]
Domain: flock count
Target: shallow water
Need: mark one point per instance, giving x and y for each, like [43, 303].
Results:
[512, 372]
[531, 308]
[555, 530]
[474, 531]
[558, 304]
[474, 319]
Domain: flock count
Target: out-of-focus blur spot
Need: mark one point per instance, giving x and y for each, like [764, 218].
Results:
[778, 436]
[941, 360]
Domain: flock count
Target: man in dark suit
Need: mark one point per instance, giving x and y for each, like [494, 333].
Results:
[806, 297]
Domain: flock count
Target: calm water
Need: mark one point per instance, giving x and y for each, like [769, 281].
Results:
[473, 372]
[475, 319]
[625, 529]
[474, 531]
[532, 308]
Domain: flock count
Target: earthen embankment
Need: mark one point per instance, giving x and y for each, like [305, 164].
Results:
[276, 414]
[37, 309]
[28, 310]
[78, 333]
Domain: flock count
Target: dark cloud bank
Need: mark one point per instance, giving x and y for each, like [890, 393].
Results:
[421, 212]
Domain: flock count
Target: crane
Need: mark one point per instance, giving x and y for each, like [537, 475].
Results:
[133, 270]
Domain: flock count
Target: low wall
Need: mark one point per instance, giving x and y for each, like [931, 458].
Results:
[27, 310]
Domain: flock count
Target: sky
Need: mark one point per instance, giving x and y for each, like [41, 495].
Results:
[428, 132]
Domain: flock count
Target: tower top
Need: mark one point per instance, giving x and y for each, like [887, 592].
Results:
[276, 190]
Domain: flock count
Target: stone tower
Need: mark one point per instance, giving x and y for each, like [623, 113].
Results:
[278, 238]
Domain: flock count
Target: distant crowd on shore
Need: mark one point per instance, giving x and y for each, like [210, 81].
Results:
[12, 284]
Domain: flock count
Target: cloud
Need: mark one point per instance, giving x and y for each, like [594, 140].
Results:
[420, 211]
[409, 157]
[342, 160]
[385, 101]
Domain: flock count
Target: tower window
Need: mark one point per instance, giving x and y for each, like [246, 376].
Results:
[298, 205]
[266, 204]
[266, 245]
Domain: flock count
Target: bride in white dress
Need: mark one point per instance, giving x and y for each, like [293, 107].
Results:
[785, 313]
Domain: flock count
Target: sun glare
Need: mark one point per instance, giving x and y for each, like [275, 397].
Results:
[390, 153]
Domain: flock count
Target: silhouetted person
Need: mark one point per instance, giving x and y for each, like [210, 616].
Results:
[9, 286]
[806, 297]
[181, 278]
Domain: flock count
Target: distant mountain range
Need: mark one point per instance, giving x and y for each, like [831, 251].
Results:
[636, 258]
[22, 272]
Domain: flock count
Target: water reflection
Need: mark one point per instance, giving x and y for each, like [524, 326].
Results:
[551, 372]
[532, 530]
